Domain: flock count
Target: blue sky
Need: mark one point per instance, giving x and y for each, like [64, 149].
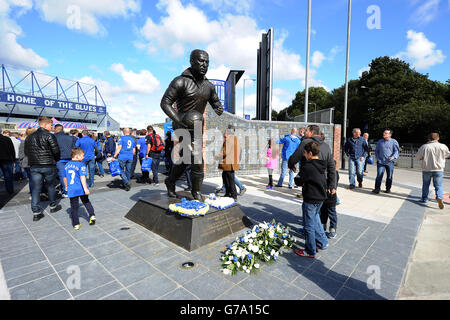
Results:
[132, 49]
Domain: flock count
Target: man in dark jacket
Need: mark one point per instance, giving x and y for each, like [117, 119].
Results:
[356, 149]
[110, 145]
[42, 150]
[313, 134]
[7, 158]
[65, 143]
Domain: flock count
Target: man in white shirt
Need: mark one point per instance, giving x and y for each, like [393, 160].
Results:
[433, 155]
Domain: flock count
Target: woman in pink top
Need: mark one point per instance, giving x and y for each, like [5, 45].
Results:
[272, 161]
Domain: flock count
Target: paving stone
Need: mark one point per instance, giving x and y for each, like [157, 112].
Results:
[37, 289]
[340, 271]
[349, 294]
[13, 282]
[182, 276]
[78, 261]
[268, 287]
[92, 276]
[18, 248]
[135, 240]
[60, 295]
[106, 249]
[100, 292]
[134, 273]
[358, 282]
[153, 287]
[317, 284]
[119, 260]
[284, 271]
[311, 297]
[238, 294]
[23, 260]
[208, 286]
[121, 295]
[64, 252]
[96, 240]
[388, 273]
[15, 273]
[45, 238]
[179, 294]
[393, 258]
[148, 250]
[10, 224]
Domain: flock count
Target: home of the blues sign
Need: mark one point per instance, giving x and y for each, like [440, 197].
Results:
[15, 98]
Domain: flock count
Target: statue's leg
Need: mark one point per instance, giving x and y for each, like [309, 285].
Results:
[197, 170]
[171, 180]
[197, 177]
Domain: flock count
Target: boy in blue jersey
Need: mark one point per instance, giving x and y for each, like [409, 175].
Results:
[75, 173]
[125, 152]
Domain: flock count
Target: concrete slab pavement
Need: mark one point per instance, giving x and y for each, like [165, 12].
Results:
[120, 260]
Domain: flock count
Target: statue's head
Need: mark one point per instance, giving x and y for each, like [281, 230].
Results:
[200, 62]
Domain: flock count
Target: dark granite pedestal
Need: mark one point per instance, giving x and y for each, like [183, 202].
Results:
[189, 233]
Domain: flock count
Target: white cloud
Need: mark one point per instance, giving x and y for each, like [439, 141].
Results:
[317, 59]
[232, 40]
[426, 12]
[90, 12]
[133, 103]
[182, 25]
[421, 52]
[142, 82]
[240, 6]
[360, 71]
[12, 52]
[334, 52]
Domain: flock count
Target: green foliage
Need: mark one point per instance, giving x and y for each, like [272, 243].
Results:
[390, 95]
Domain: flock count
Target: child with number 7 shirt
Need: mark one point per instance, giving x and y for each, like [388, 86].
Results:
[75, 173]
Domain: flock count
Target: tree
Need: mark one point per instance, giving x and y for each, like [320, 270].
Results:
[390, 95]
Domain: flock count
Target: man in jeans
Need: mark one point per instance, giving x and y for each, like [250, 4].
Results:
[42, 150]
[7, 158]
[65, 143]
[110, 146]
[290, 144]
[356, 150]
[88, 145]
[433, 155]
[125, 151]
[386, 152]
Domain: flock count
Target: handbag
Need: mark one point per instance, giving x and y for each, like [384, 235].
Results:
[370, 160]
[114, 168]
[147, 165]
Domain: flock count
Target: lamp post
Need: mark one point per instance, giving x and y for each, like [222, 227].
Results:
[243, 98]
[346, 76]
[308, 40]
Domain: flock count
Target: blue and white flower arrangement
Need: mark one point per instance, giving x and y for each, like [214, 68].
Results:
[263, 243]
[220, 203]
[189, 208]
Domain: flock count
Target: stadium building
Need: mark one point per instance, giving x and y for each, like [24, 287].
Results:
[26, 96]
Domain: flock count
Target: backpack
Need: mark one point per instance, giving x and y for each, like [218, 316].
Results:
[157, 143]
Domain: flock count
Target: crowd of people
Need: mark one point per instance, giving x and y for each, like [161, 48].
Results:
[54, 161]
